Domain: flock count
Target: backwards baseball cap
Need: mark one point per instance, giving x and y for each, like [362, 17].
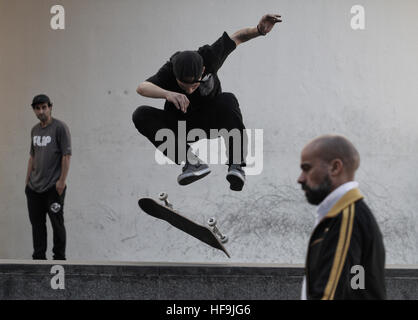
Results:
[40, 99]
[187, 66]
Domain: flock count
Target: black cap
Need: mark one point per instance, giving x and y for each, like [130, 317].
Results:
[187, 66]
[40, 99]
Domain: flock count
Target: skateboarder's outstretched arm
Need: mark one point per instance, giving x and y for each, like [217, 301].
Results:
[265, 25]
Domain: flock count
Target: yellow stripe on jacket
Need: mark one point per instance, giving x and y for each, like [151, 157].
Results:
[343, 245]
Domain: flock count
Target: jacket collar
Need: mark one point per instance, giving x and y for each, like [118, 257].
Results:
[350, 197]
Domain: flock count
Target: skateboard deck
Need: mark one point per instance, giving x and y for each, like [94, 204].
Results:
[163, 212]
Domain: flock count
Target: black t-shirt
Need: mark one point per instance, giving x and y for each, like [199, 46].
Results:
[213, 58]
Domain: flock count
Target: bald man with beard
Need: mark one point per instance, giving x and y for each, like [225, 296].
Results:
[346, 234]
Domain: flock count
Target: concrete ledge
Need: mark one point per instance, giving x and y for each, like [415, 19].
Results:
[172, 281]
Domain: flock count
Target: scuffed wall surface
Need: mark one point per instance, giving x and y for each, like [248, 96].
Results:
[312, 75]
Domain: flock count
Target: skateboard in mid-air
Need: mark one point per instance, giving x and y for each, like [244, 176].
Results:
[165, 211]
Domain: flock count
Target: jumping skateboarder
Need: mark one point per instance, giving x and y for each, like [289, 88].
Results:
[192, 90]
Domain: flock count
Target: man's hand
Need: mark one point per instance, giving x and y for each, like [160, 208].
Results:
[60, 186]
[267, 23]
[29, 170]
[179, 100]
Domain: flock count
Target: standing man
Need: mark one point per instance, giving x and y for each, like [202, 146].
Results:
[346, 233]
[48, 167]
[192, 90]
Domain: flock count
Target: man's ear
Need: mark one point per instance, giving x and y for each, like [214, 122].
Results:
[336, 167]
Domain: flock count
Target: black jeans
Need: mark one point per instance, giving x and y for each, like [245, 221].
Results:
[220, 112]
[39, 205]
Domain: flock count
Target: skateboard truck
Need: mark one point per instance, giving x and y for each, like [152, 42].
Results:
[163, 196]
[212, 224]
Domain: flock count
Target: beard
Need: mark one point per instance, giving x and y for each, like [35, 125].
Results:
[42, 117]
[316, 195]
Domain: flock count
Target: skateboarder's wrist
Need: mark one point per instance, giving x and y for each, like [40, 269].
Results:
[259, 31]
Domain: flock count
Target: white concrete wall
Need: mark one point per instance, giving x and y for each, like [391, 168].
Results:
[312, 75]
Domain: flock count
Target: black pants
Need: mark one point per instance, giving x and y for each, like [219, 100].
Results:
[220, 112]
[39, 205]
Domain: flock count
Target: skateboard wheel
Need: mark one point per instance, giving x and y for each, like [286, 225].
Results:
[224, 239]
[163, 196]
[212, 222]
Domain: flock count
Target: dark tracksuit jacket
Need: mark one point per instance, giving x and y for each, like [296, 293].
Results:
[347, 236]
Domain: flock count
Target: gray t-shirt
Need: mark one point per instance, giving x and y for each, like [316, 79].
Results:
[48, 146]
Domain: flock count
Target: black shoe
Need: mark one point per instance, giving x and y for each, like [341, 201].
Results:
[59, 258]
[39, 258]
[236, 177]
[193, 172]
